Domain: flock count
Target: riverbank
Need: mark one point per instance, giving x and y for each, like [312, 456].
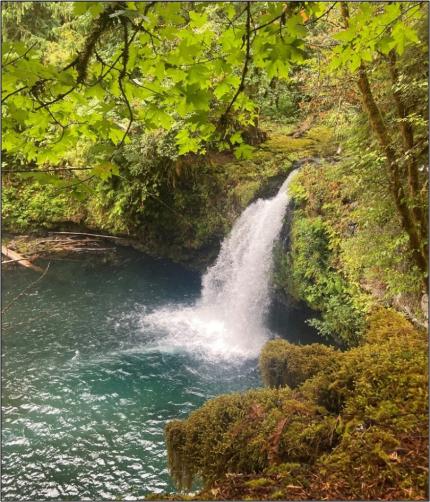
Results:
[363, 411]
[186, 217]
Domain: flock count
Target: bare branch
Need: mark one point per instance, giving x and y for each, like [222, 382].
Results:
[9, 305]
[22, 56]
[55, 100]
[54, 169]
[14, 92]
[72, 185]
[125, 55]
[245, 65]
[89, 234]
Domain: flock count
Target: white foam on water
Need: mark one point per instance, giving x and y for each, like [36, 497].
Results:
[229, 319]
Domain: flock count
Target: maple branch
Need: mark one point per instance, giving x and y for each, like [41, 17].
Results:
[14, 92]
[245, 65]
[22, 56]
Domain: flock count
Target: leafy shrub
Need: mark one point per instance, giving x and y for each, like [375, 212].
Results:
[29, 206]
[308, 272]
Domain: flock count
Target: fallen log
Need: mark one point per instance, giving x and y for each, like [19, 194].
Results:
[14, 256]
[88, 234]
[304, 127]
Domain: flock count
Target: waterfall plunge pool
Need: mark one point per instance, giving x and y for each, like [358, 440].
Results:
[87, 390]
[97, 358]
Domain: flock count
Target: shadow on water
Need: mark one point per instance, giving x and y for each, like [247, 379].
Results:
[289, 321]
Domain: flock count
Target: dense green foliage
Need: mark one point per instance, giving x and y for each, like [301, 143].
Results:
[349, 246]
[364, 413]
[33, 205]
[179, 207]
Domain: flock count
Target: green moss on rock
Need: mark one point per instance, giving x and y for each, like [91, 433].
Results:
[356, 429]
[283, 363]
[246, 433]
[387, 323]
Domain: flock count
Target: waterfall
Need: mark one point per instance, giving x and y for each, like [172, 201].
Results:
[229, 319]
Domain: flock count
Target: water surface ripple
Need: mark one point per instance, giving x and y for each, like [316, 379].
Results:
[87, 384]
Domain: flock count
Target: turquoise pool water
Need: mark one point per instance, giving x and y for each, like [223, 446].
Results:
[87, 385]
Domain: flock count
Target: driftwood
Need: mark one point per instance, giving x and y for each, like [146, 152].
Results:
[14, 256]
[70, 242]
[88, 234]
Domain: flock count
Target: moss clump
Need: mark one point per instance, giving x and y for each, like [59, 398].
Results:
[375, 373]
[259, 482]
[283, 363]
[282, 143]
[373, 463]
[281, 482]
[246, 191]
[387, 323]
[356, 429]
[246, 433]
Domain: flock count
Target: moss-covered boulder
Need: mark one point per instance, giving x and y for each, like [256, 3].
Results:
[283, 363]
[246, 433]
[387, 323]
[392, 359]
[356, 429]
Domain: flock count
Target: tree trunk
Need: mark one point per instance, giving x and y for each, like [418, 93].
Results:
[408, 145]
[407, 217]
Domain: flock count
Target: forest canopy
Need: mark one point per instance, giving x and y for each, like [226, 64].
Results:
[108, 69]
[82, 81]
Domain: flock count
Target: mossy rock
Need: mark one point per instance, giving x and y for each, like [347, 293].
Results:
[246, 433]
[387, 323]
[357, 429]
[318, 141]
[378, 379]
[288, 144]
[283, 363]
[324, 141]
[245, 192]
